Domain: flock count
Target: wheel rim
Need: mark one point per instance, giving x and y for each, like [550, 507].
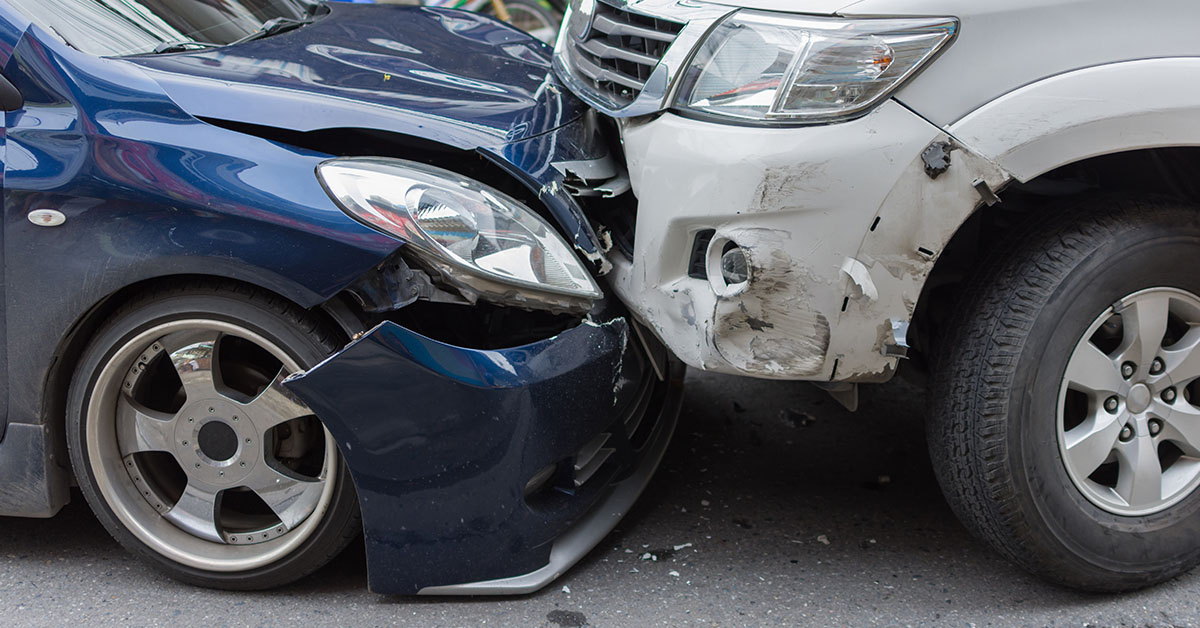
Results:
[1128, 431]
[223, 470]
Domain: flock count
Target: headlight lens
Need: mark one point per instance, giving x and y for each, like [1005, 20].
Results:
[477, 237]
[764, 66]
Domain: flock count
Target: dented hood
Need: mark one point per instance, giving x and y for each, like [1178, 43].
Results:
[449, 76]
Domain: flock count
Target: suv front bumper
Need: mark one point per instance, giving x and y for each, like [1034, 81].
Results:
[840, 224]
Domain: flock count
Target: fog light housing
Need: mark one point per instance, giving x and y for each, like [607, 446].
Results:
[729, 267]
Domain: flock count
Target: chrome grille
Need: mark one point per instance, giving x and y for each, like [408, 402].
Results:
[620, 50]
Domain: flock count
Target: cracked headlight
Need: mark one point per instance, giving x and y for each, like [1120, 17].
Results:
[776, 67]
[479, 240]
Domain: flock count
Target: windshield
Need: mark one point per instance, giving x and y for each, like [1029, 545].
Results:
[125, 27]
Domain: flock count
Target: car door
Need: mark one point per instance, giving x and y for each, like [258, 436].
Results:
[12, 26]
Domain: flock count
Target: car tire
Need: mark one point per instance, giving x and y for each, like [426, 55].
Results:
[1029, 443]
[190, 452]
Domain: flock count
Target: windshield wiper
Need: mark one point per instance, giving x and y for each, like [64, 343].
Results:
[182, 46]
[273, 26]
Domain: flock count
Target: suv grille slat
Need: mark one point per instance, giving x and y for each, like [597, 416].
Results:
[621, 51]
[598, 74]
[600, 49]
[606, 24]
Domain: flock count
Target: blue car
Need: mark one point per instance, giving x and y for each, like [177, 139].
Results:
[279, 272]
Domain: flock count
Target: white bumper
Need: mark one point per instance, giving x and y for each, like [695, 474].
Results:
[825, 288]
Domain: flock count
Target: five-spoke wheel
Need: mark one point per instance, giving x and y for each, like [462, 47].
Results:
[192, 448]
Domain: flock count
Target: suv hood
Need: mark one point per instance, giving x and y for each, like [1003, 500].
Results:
[449, 76]
[815, 7]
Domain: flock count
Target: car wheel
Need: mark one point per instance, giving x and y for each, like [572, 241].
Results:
[1065, 410]
[190, 451]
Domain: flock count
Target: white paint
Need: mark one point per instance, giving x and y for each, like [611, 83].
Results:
[799, 201]
[861, 277]
[1005, 45]
[1090, 112]
[1026, 86]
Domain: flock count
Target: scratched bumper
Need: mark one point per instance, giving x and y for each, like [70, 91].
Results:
[443, 442]
[800, 202]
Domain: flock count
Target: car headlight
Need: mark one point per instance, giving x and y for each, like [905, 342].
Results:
[478, 239]
[778, 67]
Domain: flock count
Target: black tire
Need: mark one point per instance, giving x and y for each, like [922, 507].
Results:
[327, 529]
[993, 430]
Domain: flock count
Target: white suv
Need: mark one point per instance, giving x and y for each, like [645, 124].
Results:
[818, 189]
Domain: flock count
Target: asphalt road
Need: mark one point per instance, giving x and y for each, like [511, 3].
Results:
[774, 507]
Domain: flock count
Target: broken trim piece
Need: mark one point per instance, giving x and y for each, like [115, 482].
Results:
[898, 347]
[937, 158]
[861, 277]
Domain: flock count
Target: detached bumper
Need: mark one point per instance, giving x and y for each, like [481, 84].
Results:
[485, 472]
[839, 223]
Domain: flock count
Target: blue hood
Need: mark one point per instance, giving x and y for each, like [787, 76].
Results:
[449, 76]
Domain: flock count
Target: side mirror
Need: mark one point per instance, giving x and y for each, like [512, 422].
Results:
[10, 97]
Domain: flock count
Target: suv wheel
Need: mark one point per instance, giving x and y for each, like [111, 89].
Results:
[1065, 419]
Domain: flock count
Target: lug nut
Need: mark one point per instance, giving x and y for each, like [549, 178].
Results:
[1157, 366]
[1168, 395]
[1128, 369]
[1126, 434]
[1155, 427]
[1111, 404]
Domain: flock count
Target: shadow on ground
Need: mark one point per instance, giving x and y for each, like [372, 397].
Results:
[774, 506]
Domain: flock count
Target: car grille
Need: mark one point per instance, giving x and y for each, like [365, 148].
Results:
[620, 51]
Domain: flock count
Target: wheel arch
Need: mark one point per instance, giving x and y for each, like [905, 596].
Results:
[1085, 113]
[73, 343]
[56, 381]
[1161, 172]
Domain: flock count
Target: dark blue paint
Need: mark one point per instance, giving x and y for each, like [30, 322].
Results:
[151, 190]
[454, 77]
[148, 191]
[441, 474]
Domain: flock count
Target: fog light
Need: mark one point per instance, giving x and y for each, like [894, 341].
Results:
[734, 267]
[729, 267]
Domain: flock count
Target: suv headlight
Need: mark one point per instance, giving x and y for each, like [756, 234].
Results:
[476, 238]
[778, 67]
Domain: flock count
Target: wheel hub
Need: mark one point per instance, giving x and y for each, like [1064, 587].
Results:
[1139, 398]
[1128, 435]
[217, 440]
[216, 443]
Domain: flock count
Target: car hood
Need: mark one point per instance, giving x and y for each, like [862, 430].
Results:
[449, 76]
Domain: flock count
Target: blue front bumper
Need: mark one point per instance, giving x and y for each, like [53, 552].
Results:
[493, 471]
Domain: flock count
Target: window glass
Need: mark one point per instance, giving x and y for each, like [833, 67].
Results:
[123, 27]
